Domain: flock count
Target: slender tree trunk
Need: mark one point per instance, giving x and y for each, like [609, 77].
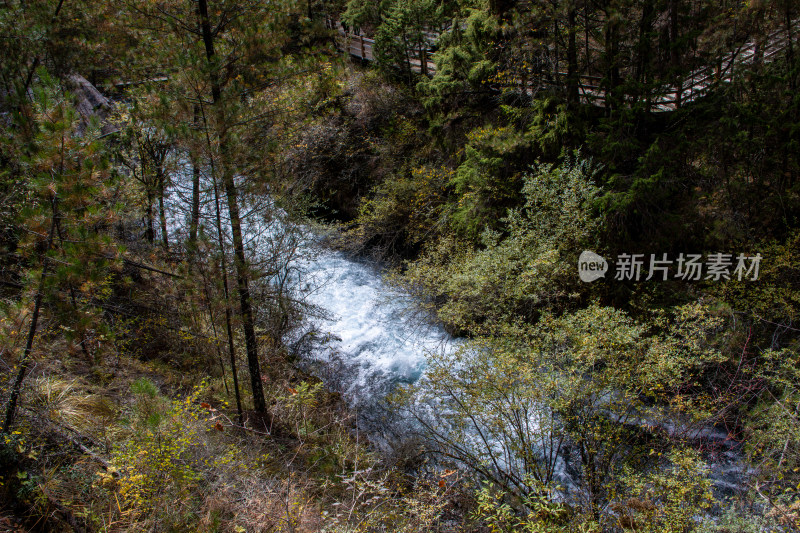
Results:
[643, 50]
[673, 33]
[72, 296]
[409, 68]
[195, 217]
[242, 282]
[228, 325]
[790, 46]
[162, 214]
[557, 52]
[593, 482]
[611, 51]
[11, 407]
[614, 66]
[150, 231]
[224, 269]
[759, 29]
[572, 55]
[586, 39]
[674, 53]
[236, 227]
[213, 319]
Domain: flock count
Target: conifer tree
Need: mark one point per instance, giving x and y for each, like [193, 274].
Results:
[62, 231]
[229, 53]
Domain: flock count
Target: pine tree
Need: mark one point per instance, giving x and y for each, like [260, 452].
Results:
[62, 231]
[229, 54]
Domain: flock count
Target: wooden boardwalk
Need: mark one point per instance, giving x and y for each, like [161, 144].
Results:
[697, 84]
[363, 48]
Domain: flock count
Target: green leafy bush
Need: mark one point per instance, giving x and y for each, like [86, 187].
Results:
[527, 270]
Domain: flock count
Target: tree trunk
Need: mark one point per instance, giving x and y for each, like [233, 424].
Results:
[195, 217]
[674, 54]
[790, 46]
[586, 40]
[611, 51]
[212, 318]
[242, 277]
[74, 299]
[242, 282]
[11, 407]
[643, 50]
[226, 294]
[162, 214]
[572, 56]
[557, 54]
[228, 325]
[150, 231]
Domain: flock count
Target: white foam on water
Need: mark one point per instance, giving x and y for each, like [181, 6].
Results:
[372, 321]
[373, 327]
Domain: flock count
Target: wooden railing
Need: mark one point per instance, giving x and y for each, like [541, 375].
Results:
[703, 79]
[590, 90]
[363, 48]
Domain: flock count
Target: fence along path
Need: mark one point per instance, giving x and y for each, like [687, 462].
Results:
[694, 86]
[364, 48]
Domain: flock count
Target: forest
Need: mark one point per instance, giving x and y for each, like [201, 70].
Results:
[400, 266]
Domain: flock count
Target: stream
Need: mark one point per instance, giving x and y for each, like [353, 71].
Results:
[375, 338]
[363, 336]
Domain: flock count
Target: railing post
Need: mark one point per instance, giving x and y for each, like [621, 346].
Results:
[363, 52]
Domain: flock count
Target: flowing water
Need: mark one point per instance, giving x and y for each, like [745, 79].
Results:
[374, 326]
[364, 336]
[372, 331]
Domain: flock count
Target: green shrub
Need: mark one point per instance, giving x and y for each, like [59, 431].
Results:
[529, 269]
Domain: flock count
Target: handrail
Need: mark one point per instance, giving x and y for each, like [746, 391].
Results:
[697, 83]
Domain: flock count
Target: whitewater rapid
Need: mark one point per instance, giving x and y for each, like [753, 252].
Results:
[362, 335]
[368, 335]
[376, 328]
